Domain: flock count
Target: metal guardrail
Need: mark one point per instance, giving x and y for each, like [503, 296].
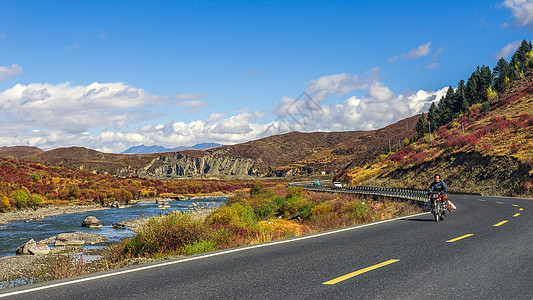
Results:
[416, 195]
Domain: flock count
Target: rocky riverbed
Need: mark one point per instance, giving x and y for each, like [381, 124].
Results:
[23, 265]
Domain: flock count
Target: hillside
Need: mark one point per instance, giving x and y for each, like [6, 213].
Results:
[28, 184]
[280, 155]
[493, 156]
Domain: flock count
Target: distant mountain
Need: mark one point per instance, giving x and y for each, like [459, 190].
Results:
[142, 149]
[203, 146]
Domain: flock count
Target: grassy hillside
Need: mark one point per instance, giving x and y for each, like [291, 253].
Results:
[493, 156]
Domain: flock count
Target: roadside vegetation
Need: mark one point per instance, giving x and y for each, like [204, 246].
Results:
[260, 215]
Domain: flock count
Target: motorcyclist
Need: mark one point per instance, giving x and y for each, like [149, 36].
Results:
[439, 186]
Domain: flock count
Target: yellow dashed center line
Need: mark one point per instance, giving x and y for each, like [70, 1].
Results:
[353, 274]
[459, 238]
[501, 223]
[481, 200]
[516, 215]
[499, 202]
[515, 205]
[521, 209]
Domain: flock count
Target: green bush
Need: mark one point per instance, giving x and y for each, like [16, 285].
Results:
[257, 188]
[21, 198]
[167, 235]
[36, 200]
[199, 247]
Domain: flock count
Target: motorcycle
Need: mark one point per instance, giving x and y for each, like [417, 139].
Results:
[438, 206]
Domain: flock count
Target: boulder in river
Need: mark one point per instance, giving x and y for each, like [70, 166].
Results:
[74, 239]
[91, 222]
[33, 248]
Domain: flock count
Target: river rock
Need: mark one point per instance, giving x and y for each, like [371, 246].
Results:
[91, 222]
[39, 249]
[69, 239]
[24, 248]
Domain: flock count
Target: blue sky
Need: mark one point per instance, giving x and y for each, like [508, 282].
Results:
[112, 74]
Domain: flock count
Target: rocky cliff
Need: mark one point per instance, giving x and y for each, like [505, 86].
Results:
[182, 165]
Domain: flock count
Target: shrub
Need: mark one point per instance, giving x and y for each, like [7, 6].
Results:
[4, 204]
[21, 198]
[515, 148]
[199, 247]
[36, 200]
[167, 235]
[257, 188]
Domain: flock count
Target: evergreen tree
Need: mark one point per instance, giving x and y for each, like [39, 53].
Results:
[501, 71]
[445, 108]
[433, 116]
[484, 82]
[460, 104]
[521, 59]
[421, 126]
[471, 89]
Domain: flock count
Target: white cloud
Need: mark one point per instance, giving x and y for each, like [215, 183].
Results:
[190, 96]
[434, 65]
[380, 92]
[421, 50]
[522, 11]
[193, 106]
[7, 72]
[3, 35]
[103, 116]
[506, 51]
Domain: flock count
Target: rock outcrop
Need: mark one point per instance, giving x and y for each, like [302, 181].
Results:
[74, 239]
[181, 165]
[91, 222]
[33, 248]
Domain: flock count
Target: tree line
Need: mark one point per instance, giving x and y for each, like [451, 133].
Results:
[482, 87]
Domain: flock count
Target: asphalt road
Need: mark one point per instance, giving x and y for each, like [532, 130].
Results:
[407, 258]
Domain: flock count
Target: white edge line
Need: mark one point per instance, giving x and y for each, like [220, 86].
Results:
[290, 240]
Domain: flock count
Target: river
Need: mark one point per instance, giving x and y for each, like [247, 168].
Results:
[15, 234]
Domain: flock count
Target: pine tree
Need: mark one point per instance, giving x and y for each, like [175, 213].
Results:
[460, 104]
[445, 107]
[471, 89]
[421, 126]
[500, 71]
[485, 81]
[433, 116]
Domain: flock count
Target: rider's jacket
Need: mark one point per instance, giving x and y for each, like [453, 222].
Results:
[438, 187]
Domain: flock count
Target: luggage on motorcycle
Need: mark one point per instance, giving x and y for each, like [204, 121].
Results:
[451, 206]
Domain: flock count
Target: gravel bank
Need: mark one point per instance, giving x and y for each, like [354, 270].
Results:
[41, 213]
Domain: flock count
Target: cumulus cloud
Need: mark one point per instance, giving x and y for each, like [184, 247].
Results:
[376, 110]
[380, 92]
[7, 72]
[421, 50]
[380, 107]
[103, 116]
[506, 51]
[522, 11]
